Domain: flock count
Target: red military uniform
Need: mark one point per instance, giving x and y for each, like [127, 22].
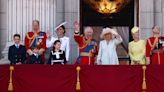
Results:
[154, 50]
[36, 40]
[87, 50]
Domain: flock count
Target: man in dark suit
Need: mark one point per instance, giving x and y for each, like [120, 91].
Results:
[17, 52]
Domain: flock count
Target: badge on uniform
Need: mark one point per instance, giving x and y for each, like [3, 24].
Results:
[92, 43]
[40, 40]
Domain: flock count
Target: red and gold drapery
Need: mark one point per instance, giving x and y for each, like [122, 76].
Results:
[58, 78]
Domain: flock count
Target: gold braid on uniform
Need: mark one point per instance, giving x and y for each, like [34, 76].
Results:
[94, 49]
[86, 42]
[155, 41]
[30, 38]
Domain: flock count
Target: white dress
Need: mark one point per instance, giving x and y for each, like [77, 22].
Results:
[107, 54]
[65, 44]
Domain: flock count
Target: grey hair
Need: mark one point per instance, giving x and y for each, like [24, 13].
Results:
[88, 28]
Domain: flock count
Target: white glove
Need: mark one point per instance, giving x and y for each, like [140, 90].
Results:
[114, 32]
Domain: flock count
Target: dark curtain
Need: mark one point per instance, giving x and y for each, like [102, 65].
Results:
[124, 33]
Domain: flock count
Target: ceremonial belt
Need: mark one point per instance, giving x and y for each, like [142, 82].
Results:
[86, 50]
[86, 54]
[158, 51]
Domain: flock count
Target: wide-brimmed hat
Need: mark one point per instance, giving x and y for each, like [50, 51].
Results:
[108, 30]
[61, 24]
[134, 29]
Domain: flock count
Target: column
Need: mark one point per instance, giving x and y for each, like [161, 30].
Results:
[146, 18]
[3, 29]
[71, 14]
[3, 24]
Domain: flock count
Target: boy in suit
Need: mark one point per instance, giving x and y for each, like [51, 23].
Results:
[17, 52]
[35, 58]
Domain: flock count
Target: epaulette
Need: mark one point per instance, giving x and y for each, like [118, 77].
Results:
[27, 35]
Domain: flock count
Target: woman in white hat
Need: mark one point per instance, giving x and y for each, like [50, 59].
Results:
[65, 41]
[107, 54]
[136, 48]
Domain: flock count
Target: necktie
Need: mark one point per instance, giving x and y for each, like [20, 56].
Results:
[17, 46]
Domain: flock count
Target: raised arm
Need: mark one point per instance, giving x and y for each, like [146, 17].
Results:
[118, 38]
[77, 36]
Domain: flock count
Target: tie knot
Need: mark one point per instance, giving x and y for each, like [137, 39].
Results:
[17, 46]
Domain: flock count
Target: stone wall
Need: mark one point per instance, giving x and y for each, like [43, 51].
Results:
[3, 24]
[151, 13]
[68, 10]
[71, 13]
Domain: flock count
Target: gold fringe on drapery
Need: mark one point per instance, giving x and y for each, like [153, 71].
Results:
[144, 79]
[78, 68]
[10, 86]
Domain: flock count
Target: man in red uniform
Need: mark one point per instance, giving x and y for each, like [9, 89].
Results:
[155, 47]
[37, 39]
[87, 45]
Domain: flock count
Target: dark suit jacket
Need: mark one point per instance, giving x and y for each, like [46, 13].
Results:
[62, 57]
[35, 60]
[16, 55]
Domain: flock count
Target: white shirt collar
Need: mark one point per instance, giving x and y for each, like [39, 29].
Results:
[17, 45]
[35, 54]
[62, 37]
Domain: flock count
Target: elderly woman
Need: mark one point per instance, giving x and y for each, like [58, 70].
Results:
[107, 54]
[136, 48]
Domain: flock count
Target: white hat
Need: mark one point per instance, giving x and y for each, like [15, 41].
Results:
[60, 25]
[134, 29]
[108, 30]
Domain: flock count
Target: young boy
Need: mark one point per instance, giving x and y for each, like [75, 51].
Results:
[17, 52]
[35, 58]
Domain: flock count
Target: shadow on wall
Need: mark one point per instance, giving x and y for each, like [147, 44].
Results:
[2, 43]
[1, 50]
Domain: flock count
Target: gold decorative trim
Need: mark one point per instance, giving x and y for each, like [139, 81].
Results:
[144, 87]
[30, 38]
[10, 86]
[155, 41]
[78, 68]
[86, 42]
[86, 54]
